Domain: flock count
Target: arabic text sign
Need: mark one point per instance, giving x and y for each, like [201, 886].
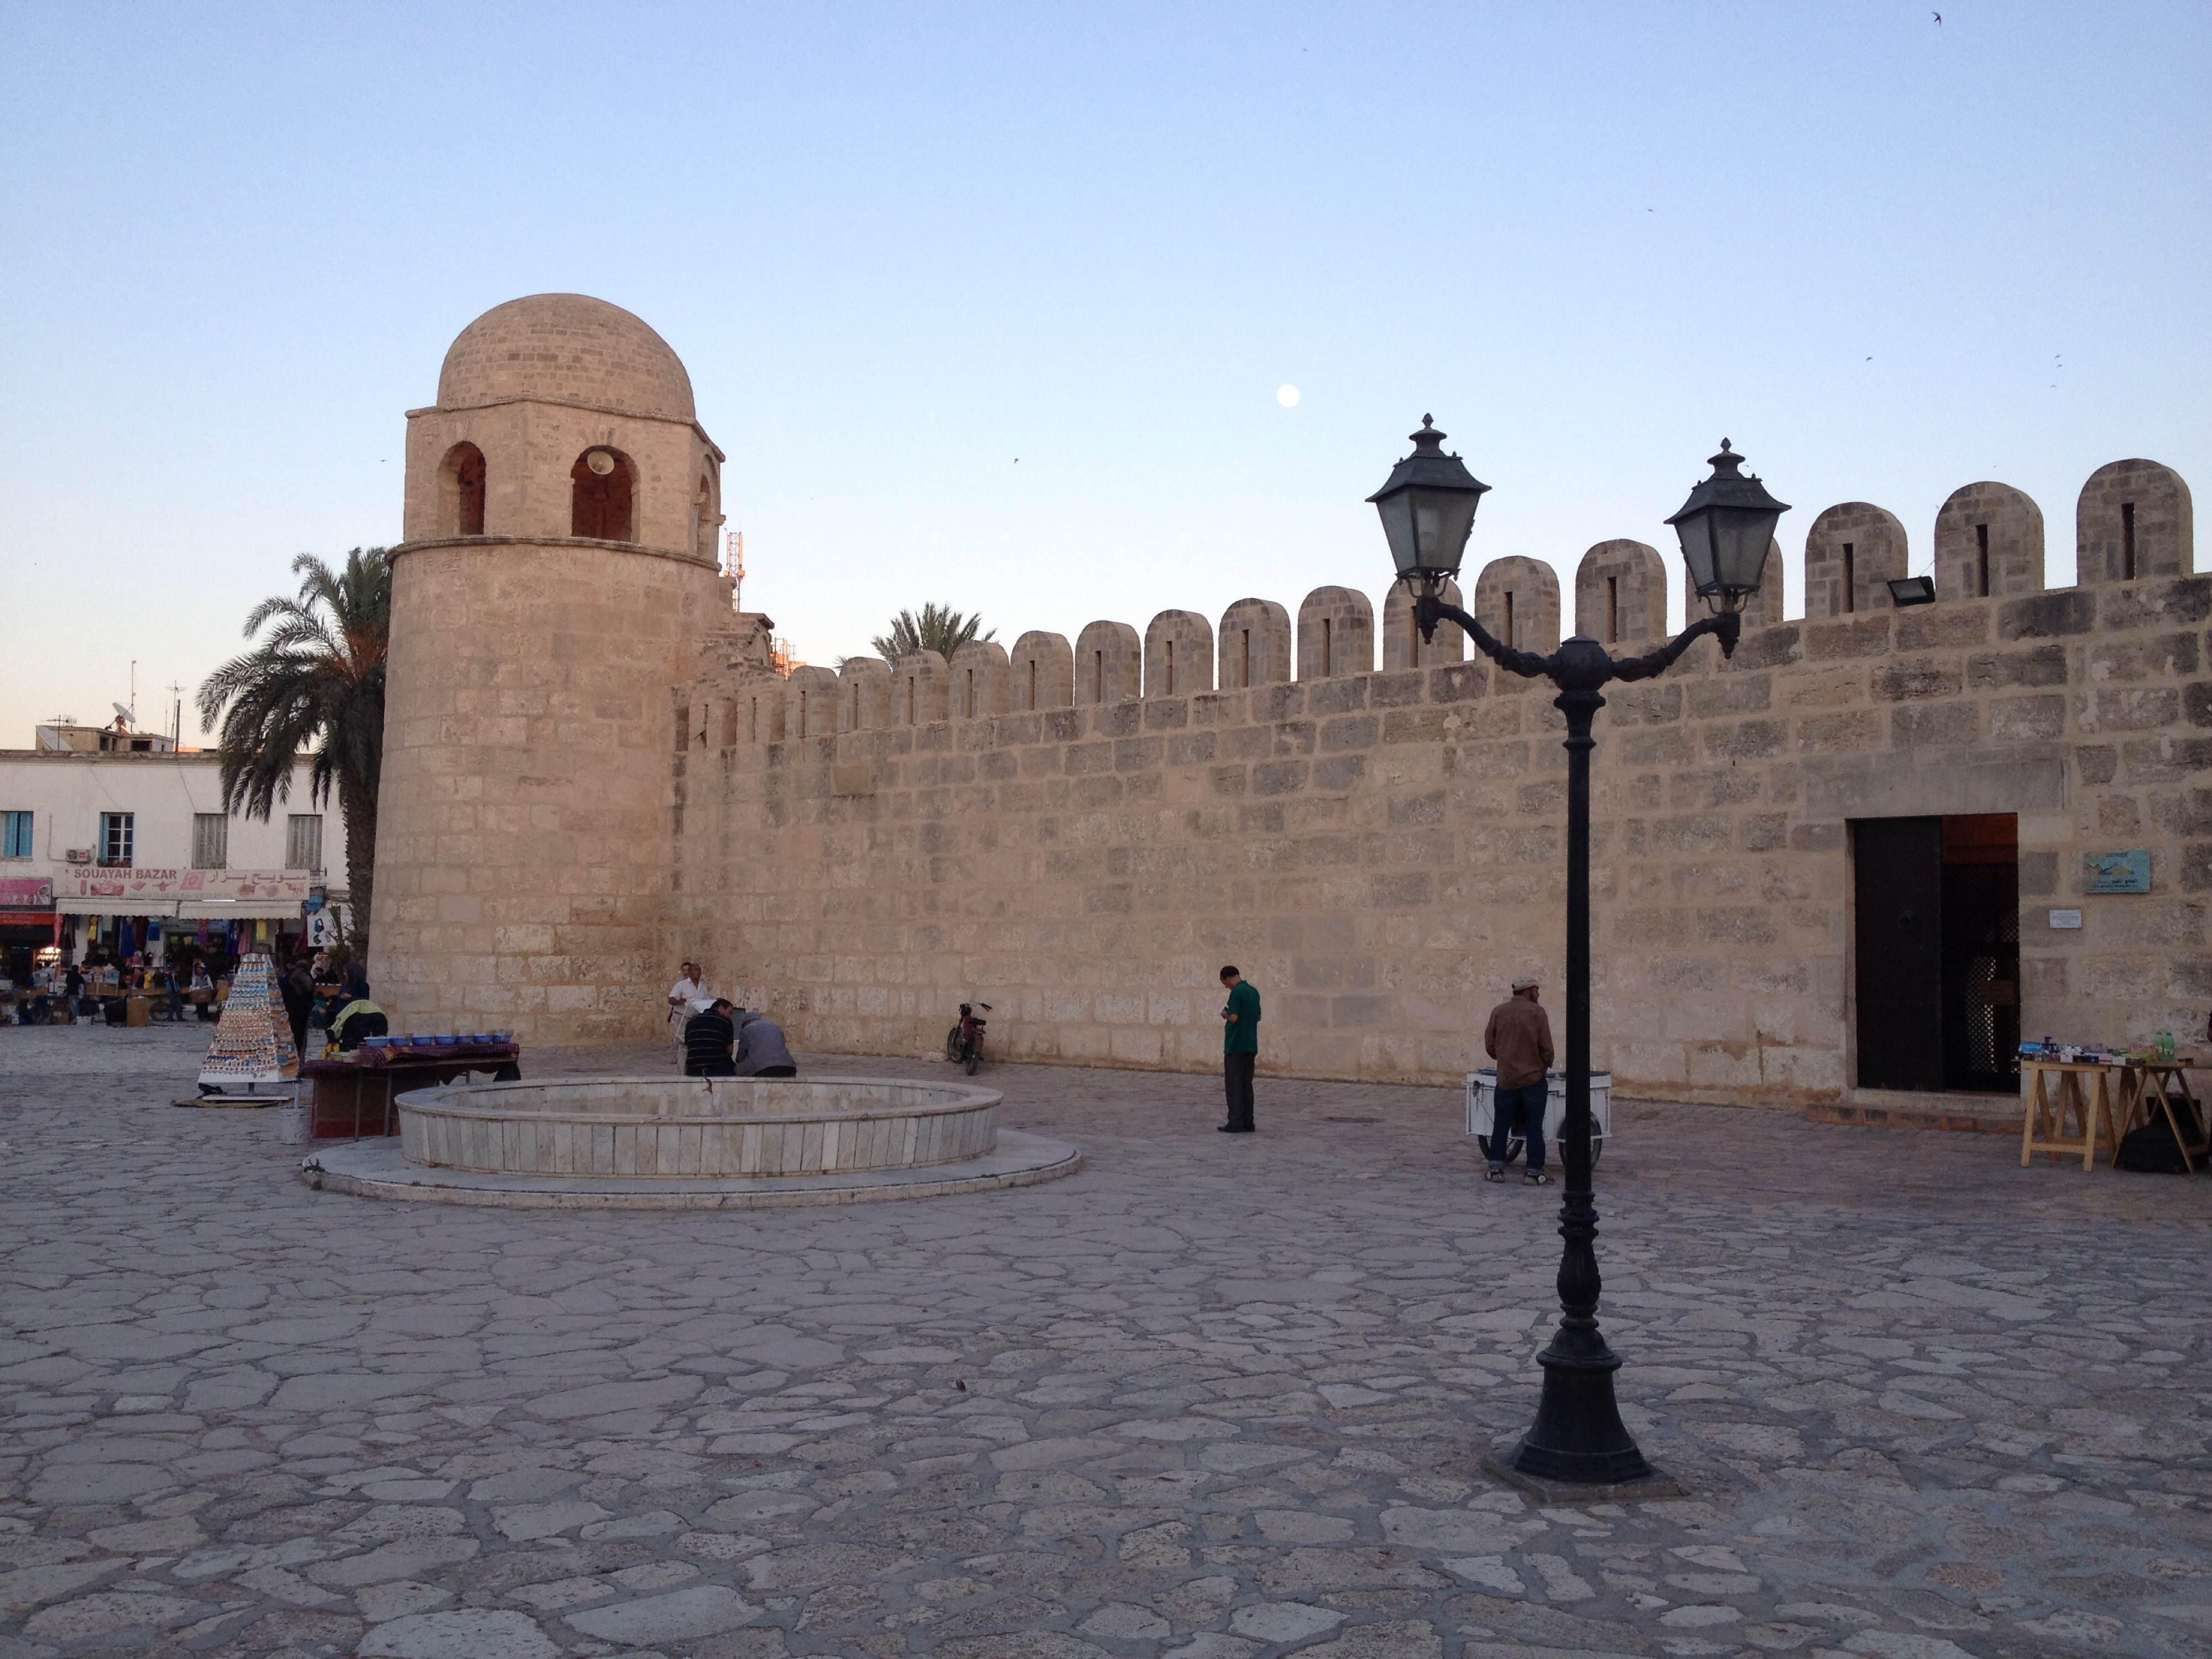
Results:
[2116, 872]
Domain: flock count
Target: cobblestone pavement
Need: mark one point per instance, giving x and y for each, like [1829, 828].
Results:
[1215, 1397]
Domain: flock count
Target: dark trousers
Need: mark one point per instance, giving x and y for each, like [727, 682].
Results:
[1237, 1078]
[1521, 1108]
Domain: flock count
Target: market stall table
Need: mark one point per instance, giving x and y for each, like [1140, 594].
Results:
[354, 1094]
[2143, 1081]
[2054, 1089]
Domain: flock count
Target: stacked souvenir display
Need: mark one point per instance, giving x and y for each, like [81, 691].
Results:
[2073, 1053]
[252, 1040]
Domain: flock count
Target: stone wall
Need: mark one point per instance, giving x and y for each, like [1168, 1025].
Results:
[1380, 852]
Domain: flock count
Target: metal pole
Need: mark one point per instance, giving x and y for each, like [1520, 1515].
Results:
[1578, 1435]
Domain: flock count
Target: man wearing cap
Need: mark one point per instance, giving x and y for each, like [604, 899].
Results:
[1519, 1038]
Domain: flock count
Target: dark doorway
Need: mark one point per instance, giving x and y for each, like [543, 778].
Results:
[1981, 952]
[1936, 906]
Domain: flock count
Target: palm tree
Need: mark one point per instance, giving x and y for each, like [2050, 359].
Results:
[939, 629]
[316, 678]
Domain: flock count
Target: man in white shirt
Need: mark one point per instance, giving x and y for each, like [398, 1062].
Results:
[687, 990]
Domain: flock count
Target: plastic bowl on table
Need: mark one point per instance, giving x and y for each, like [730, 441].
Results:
[503, 1036]
[446, 1039]
[376, 1043]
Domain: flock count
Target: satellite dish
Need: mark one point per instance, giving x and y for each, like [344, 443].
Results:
[120, 710]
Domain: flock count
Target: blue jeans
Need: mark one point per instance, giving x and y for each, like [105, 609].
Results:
[1522, 1108]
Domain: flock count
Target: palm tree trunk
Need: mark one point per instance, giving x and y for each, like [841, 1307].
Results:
[357, 803]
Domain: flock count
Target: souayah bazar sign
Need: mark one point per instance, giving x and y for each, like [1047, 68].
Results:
[262, 886]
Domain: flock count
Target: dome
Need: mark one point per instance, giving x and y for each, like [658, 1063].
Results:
[566, 348]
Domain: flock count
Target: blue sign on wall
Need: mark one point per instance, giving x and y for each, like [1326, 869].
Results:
[2116, 872]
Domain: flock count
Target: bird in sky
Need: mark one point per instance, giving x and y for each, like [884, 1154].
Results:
[1938, 16]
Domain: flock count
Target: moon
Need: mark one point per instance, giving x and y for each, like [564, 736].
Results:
[1287, 396]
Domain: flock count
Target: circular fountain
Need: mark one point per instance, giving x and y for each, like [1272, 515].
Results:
[677, 1143]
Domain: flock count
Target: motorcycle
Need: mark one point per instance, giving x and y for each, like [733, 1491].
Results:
[963, 1043]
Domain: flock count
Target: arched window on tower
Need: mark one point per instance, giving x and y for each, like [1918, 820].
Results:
[704, 517]
[461, 484]
[604, 484]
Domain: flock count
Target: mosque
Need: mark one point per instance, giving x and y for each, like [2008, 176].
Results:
[1856, 863]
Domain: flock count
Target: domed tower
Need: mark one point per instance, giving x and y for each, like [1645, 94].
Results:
[559, 565]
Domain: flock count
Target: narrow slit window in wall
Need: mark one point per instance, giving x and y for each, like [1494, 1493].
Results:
[682, 729]
[1412, 641]
[1098, 676]
[1850, 594]
[1982, 560]
[2127, 541]
[1508, 617]
[802, 713]
[856, 705]
[1612, 609]
[910, 719]
[971, 709]
[1247, 681]
[756, 722]
[1170, 668]
[1033, 701]
[1328, 648]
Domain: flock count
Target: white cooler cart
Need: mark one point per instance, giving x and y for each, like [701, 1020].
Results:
[1482, 1105]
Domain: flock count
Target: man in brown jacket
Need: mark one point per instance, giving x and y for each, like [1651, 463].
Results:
[1519, 1038]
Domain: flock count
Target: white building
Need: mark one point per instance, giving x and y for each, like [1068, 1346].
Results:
[99, 847]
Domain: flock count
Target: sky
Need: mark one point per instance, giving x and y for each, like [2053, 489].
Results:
[990, 305]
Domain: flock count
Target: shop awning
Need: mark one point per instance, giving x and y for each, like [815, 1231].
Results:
[173, 910]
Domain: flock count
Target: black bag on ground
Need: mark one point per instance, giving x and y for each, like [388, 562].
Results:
[2150, 1150]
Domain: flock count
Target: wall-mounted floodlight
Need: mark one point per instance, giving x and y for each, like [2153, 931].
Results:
[1912, 590]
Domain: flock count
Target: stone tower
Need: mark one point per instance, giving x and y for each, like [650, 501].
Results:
[557, 575]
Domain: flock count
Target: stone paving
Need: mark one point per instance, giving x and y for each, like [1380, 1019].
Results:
[1215, 1397]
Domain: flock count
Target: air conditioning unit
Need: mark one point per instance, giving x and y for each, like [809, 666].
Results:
[79, 855]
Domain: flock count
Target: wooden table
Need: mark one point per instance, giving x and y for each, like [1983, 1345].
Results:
[2142, 1081]
[2054, 1090]
[353, 1096]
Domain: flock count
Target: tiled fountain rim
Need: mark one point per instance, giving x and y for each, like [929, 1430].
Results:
[484, 1099]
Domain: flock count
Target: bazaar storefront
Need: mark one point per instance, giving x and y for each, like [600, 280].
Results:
[112, 915]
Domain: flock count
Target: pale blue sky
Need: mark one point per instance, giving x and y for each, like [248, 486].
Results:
[899, 247]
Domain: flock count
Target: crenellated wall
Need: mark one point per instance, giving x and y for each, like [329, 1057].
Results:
[1382, 851]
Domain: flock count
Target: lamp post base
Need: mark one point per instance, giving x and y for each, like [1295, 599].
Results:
[1656, 1486]
[1578, 1436]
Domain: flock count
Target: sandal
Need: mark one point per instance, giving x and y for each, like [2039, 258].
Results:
[1535, 1178]
[1494, 1175]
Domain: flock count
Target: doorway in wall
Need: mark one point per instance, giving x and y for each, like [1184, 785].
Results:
[1936, 948]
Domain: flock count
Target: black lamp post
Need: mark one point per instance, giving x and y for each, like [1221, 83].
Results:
[1427, 508]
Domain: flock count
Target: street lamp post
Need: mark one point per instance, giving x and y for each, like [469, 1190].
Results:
[1427, 507]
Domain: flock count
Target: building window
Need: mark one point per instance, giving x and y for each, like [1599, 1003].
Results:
[464, 490]
[303, 842]
[14, 834]
[1851, 593]
[602, 484]
[210, 840]
[117, 833]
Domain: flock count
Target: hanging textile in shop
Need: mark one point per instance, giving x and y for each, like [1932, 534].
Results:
[252, 1040]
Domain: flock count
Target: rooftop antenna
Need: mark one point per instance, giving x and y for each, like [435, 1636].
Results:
[177, 716]
[133, 710]
[736, 544]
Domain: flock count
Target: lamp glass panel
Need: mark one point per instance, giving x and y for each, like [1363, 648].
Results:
[1740, 554]
[1696, 533]
[1444, 518]
[1396, 512]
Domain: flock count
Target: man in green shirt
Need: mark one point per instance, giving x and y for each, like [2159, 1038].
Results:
[1240, 1049]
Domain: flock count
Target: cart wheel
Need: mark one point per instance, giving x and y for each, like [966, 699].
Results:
[952, 1044]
